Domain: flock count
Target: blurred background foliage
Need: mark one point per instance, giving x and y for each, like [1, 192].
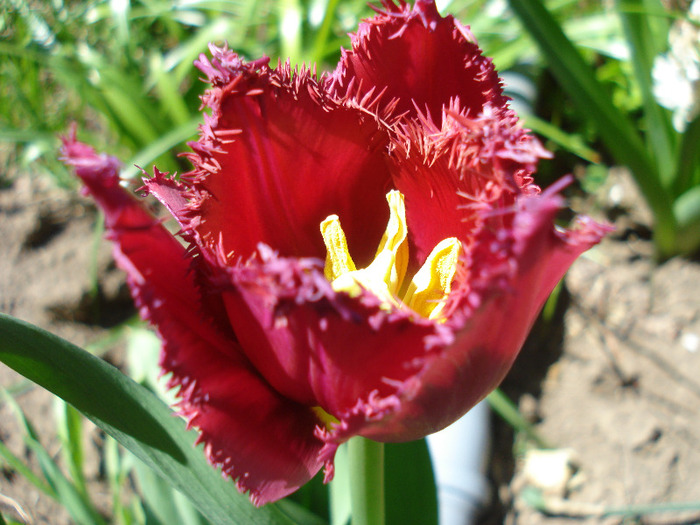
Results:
[580, 73]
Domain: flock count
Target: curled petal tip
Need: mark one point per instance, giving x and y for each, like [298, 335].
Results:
[88, 164]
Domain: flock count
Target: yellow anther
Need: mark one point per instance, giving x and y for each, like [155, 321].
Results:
[430, 287]
[338, 260]
[391, 259]
[428, 290]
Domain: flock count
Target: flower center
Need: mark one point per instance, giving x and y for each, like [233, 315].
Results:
[427, 292]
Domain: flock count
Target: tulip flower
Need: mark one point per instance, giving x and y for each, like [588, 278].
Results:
[361, 253]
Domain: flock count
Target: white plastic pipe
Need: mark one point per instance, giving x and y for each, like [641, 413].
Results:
[460, 454]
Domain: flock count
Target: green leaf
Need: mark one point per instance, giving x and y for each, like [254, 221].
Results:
[689, 158]
[644, 47]
[620, 136]
[687, 210]
[133, 416]
[411, 494]
[63, 490]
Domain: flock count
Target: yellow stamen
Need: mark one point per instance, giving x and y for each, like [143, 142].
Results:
[338, 260]
[432, 284]
[428, 290]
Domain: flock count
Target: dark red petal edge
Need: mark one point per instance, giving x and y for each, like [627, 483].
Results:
[313, 344]
[259, 438]
[419, 61]
[275, 158]
[451, 174]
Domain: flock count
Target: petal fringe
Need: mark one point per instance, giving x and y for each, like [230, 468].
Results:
[419, 61]
[451, 174]
[314, 345]
[277, 156]
[258, 437]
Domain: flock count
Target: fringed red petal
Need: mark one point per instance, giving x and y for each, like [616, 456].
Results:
[420, 61]
[277, 157]
[259, 438]
[262, 439]
[317, 346]
[254, 334]
[451, 174]
[508, 274]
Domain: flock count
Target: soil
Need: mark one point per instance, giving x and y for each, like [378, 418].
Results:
[612, 381]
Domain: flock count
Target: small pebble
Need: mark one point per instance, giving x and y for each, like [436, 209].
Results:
[690, 341]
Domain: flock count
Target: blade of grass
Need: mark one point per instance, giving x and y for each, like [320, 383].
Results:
[505, 408]
[23, 470]
[66, 492]
[135, 417]
[572, 143]
[160, 146]
[660, 135]
[69, 429]
[324, 32]
[116, 475]
[689, 158]
[171, 100]
[620, 137]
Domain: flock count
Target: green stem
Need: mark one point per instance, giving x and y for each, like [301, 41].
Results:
[366, 481]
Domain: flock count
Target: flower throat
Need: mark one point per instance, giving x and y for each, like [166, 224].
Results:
[427, 292]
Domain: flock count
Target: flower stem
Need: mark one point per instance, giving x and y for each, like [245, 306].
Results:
[366, 481]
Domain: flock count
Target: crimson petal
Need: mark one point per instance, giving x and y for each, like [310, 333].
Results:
[317, 346]
[277, 157]
[420, 60]
[450, 174]
[258, 437]
[509, 271]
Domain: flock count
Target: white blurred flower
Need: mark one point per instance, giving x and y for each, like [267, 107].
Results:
[676, 74]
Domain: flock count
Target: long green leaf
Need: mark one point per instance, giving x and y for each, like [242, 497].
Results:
[65, 491]
[620, 137]
[15, 463]
[660, 135]
[411, 495]
[133, 416]
[689, 158]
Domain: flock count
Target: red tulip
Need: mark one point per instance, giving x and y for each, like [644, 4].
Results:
[284, 326]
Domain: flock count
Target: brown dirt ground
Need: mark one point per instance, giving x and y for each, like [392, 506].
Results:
[615, 378]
